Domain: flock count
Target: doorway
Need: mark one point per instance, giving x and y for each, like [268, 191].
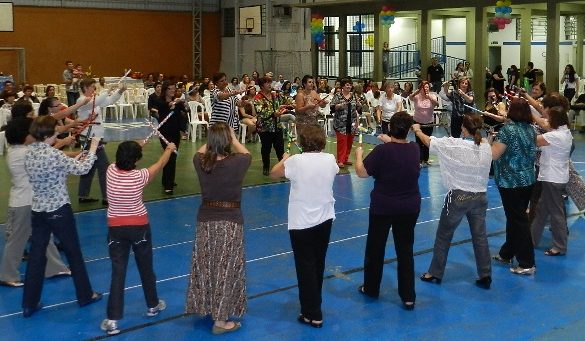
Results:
[494, 57]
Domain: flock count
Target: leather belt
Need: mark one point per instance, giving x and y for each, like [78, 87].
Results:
[221, 204]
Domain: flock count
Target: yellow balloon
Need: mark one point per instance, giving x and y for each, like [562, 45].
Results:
[499, 3]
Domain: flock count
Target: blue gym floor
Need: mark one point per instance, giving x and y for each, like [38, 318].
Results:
[547, 305]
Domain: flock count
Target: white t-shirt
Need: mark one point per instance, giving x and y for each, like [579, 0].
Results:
[389, 106]
[554, 159]
[311, 199]
[571, 85]
[464, 165]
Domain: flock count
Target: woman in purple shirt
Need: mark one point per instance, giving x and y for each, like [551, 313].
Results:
[395, 203]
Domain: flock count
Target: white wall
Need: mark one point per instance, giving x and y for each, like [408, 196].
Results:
[404, 31]
[436, 28]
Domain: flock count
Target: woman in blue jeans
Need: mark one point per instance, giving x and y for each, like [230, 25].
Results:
[394, 203]
[48, 169]
[465, 165]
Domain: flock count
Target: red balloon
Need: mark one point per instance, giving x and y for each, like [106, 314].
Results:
[385, 8]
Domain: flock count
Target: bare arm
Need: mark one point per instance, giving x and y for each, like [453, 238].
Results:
[162, 161]
[498, 149]
[278, 169]
[64, 113]
[360, 170]
[541, 141]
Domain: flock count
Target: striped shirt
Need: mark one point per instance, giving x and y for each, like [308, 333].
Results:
[124, 190]
[224, 111]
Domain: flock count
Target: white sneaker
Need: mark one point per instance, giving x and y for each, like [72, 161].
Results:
[523, 271]
[159, 307]
[110, 327]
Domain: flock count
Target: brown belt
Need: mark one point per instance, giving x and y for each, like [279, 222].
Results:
[221, 204]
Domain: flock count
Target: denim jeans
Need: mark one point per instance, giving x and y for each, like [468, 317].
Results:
[457, 205]
[310, 248]
[62, 224]
[403, 232]
[120, 240]
[518, 237]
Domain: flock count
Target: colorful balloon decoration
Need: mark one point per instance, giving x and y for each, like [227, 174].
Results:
[369, 40]
[387, 16]
[502, 17]
[317, 32]
[358, 26]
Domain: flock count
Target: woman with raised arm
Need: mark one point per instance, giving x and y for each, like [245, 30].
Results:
[217, 284]
[424, 114]
[460, 97]
[48, 169]
[307, 104]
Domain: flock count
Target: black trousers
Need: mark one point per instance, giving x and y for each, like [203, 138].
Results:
[61, 223]
[456, 121]
[424, 150]
[403, 232]
[120, 240]
[309, 248]
[168, 173]
[569, 93]
[269, 140]
[518, 236]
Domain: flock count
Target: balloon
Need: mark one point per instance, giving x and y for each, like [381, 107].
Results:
[499, 3]
[385, 8]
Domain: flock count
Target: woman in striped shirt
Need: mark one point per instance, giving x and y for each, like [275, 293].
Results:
[128, 227]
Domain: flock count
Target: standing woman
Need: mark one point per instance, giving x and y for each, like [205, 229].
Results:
[394, 203]
[345, 120]
[269, 107]
[48, 169]
[310, 215]
[307, 103]
[424, 114]
[498, 79]
[553, 175]
[465, 165]
[463, 95]
[224, 103]
[514, 154]
[570, 81]
[389, 104]
[167, 105]
[217, 284]
[514, 75]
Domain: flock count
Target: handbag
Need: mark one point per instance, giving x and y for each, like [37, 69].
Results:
[576, 187]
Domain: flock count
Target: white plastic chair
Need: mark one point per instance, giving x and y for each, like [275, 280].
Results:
[123, 103]
[2, 142]
[195, 121]
[207, 102]
[140, 101]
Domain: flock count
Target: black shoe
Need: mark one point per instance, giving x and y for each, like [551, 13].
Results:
[105, 203]
[168, 191]
[484, 282]
[408, 305]
[266, 171]
[427, 277]
[28, 312]
[362, 290]
[94, 298]
[87, 200]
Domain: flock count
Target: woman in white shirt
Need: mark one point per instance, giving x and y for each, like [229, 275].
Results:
[555, 147]
[310, 215]
[465, 165]
[570, 79]
[389, 104]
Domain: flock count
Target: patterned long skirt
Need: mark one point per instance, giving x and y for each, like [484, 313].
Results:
[217, 284]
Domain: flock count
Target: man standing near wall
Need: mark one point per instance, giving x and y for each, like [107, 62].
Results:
[435, 74]
[71, 84]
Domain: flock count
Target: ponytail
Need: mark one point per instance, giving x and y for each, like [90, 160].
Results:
[477, 137]
[473, 123]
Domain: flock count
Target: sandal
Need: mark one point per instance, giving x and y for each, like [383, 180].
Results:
[427, 277]
[553, 253]
[216, 330]
[312, 323]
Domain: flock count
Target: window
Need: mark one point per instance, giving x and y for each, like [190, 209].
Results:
[328, 58]
[538, 28]
[570, 28]
[360, 46]
[229, 24]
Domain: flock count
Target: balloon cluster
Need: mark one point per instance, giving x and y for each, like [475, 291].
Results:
[503, 16]
[359, 26]
[369, 40]
[387, 16]
[317, 32]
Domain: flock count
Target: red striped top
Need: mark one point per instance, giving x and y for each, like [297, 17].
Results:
[124, 191]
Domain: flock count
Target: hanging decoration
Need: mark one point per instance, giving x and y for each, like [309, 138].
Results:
[387, 16]
[369, 40]
[503, 16]
[317, 31]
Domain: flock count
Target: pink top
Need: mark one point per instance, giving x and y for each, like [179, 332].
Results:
[424, 108]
